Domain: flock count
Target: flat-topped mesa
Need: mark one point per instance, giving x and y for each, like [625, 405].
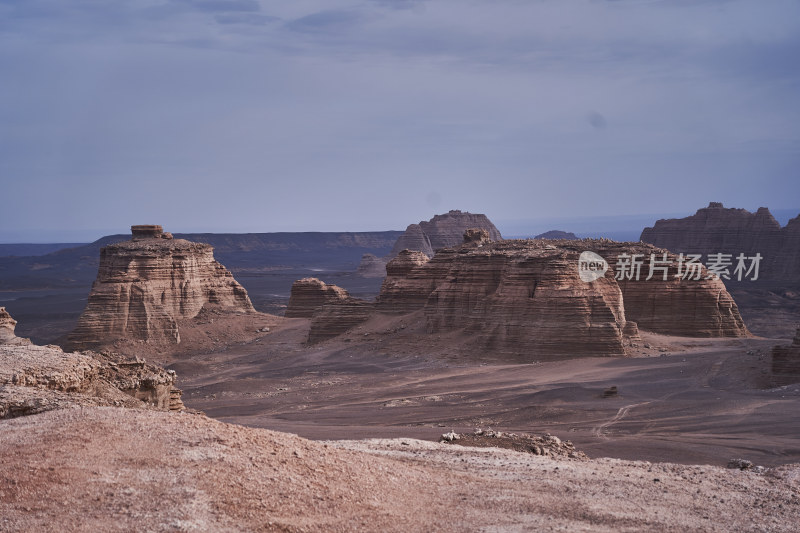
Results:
[719, 230]
[7, 327]
[786, 362]
[527, 299]
[145, 286]
[309, 294]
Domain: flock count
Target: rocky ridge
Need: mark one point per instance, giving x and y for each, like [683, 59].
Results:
[717, 229]
[309, 294]
[145, 286]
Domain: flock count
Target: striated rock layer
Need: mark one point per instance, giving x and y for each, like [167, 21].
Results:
[146, 285]
[309, 294]
[786, 362]
[429, 236]
[716, 229]
[527, 298]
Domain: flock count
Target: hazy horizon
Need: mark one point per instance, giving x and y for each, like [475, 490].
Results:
[352, 115]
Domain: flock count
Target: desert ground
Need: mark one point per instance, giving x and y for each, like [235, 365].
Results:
[685, 400]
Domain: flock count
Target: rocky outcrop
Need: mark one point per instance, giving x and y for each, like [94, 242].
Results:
[527, 298]
[34, 379]
[666, 303]
[145, 286]
[442, 231]
[335, 318]
[716, 229]
[429, 236]
[7, 327]
[371, 266]
[310, 294]
[786, 362]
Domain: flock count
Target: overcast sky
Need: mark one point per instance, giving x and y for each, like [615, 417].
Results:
[260, 115]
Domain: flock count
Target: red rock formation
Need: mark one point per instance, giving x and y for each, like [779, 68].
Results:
[146, 285]
[7, 327]
[786, 362]
[309, 294]
[407, 287]
[716, 229]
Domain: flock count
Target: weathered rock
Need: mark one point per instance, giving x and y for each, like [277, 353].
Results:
[335, 318]
[146, 285]
[40, 378]
[476, 236]
[716, 229]
[672, 306]
[371, 266]
[310, 294]
[442, 231]
[7, 327]
[786, 362]
[525, 299]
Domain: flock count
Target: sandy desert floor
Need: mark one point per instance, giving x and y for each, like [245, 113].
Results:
[116, 469]
[691, 401]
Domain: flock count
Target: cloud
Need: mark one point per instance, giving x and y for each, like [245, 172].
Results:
[325, 21]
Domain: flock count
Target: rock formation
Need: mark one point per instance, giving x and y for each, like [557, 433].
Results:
[786, 362]
[146, 285]
[332, 310]
[716, 229]
[442, 231]
[371, 266]
[309, 295]
[526, 298]
[7, 327]
[34, 379]
[428, 236]
[334, 318]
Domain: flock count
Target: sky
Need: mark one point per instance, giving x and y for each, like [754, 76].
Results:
[337, 115]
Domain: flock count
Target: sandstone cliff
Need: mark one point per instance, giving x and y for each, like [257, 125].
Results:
[331, 309]
[786, 362]
[146, 285]
[309, 294]
[428, 236]
[716, 229]
[527, 298]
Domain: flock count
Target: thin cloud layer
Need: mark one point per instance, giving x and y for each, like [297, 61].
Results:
[246, 115]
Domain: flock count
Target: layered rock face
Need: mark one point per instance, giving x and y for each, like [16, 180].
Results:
[310, 294]
[7, 327]
[34, 379]
[371, 266]
[786, 362]
[146, 285]
[332, 310]
[429, 236]
[716, 229]
[442, 231]
[666, 303]
[527, 298]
